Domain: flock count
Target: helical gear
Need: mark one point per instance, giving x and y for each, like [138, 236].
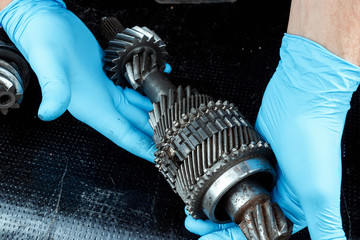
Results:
[136, 51]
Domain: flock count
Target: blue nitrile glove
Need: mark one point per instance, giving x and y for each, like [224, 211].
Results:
[302, 117]
[67, 60]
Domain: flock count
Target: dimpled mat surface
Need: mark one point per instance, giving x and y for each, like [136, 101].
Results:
[63, 180]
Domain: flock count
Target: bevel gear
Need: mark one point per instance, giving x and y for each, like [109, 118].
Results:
[136, 51]
[209, 154]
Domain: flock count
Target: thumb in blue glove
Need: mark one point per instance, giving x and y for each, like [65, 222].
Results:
[68, 63]
[213, 231]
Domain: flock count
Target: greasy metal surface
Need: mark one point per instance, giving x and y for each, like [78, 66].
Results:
[220, 49]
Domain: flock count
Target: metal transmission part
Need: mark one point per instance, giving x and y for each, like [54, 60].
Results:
[209, 154]
[14, 75]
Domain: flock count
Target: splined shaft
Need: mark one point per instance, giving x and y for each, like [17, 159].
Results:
[209, 154]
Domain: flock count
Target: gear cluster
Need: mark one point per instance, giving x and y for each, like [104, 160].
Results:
[209, 154]
[197, 139]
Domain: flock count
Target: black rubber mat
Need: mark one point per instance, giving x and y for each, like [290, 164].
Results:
[62, 180]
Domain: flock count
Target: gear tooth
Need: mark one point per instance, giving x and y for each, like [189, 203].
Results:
[260, 143]
[116, 76]
[121, 43]
[148, 30]
[157, 160]
[211, 104]
[163, 50]
[234, 151]
[243, 147]
[107, 67]
[152, 39]
[142, 40]
[226, 158]
[117, 62]
[18, 97]
[115, 69]
[120, 51]
[133, 33]
[143, 31]
[202, 107]
[156, 37]
[113, 52]
[4, 111]
[15, 106]
[108, 60]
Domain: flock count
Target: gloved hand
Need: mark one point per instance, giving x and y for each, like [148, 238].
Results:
[302, 116]
[67, 60]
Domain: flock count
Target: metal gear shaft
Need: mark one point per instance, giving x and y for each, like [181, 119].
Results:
[14, 75]
[209, 154]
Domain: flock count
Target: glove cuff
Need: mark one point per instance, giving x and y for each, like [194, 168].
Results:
[314, 69]
[18, 9]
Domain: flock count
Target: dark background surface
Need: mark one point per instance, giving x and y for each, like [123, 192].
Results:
[63, 180]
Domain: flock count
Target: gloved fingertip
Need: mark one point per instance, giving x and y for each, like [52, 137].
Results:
[199, 227]
[151, 154]
[168, 68]
[210, 237]
[52, 108]
[137, 99]
[189, 224]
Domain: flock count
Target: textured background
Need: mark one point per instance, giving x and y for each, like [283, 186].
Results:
[62, 180]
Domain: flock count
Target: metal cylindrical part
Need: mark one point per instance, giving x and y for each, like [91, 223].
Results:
[155, 85]
[242, 196]
[231, 178]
